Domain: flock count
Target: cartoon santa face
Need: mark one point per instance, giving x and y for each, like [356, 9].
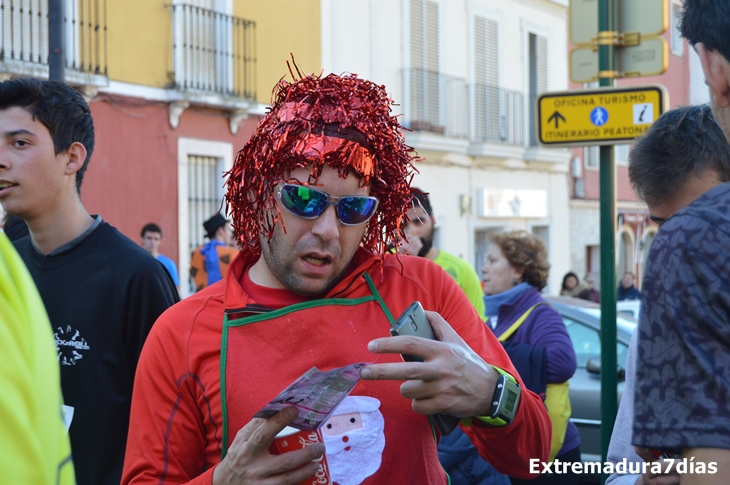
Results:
[354, 439]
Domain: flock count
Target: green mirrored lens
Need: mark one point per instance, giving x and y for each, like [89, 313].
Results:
[303, 201]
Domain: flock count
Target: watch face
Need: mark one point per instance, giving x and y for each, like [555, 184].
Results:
[507, 400]
[509, 404]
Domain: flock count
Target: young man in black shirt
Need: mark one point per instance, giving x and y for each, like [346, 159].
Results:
[682, 386]
[101, 290]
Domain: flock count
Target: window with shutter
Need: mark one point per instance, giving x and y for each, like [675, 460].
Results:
[592, 157]
[24, 36]
[213, 50]
[424, 82]
[542, 64]
[621, 154]
[538, 76]
[25, 31]
[487, 106]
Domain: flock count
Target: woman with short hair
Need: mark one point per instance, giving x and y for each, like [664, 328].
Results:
[534, 335]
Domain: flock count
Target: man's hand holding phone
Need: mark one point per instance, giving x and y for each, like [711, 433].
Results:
[248, 460]
[451, 379]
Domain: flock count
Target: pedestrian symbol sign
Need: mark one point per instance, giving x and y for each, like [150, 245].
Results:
[598, 117]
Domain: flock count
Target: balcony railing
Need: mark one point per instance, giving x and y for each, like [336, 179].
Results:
[437, 103]
[498, 115]
[24, 37]
[448, 105]
[213, 52]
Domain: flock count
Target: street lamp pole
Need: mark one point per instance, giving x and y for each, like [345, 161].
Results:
[608, 38]
[56, 55]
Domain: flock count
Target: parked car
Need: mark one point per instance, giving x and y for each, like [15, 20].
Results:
[583, 320]
[629, 307]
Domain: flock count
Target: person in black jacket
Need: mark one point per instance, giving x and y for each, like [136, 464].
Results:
[627, 290]
[102, 291]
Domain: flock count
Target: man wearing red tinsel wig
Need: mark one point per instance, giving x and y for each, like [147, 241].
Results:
[318, 196]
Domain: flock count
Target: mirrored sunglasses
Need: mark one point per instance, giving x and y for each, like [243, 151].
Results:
[310, 203]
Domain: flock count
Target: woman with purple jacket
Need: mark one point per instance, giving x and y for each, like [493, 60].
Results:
[533, 332]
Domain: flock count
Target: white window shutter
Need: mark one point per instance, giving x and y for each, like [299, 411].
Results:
[432, 36]
[486, 51]
[424, 82]
[486, 80]
[417, 34]
[542, 64]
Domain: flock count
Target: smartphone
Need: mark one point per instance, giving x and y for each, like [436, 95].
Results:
[413, 322]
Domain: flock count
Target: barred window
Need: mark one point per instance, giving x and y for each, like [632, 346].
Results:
[24, 35]
[201, 168]
[205, 195]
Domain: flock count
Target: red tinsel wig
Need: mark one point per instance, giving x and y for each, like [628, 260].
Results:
[341, 121]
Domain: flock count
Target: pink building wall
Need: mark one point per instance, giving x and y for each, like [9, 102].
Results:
[132, 176]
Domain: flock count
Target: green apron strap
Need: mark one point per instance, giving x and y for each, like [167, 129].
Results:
[264, 316]
[379, 299]
[224, 408]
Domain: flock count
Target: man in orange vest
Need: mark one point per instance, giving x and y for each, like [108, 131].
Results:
[210, 261]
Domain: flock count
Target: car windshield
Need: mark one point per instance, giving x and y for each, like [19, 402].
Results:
[623, 324]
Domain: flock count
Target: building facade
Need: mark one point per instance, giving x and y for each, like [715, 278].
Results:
[465, 74]
[684, 83]
[175, 88]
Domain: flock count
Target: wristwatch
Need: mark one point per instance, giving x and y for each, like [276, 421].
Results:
[505, 400]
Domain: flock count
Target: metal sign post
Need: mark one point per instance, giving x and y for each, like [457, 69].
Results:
[636, 38]
[650, 58]
[643, 17]
[613, 39]
[607, 16]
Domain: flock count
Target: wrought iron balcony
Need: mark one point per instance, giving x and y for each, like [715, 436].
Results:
[24, 39]
[449, 106]
[213, 52]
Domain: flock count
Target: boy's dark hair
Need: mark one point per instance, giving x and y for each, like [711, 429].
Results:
[683, 142]
[151, 227]
[707, 21]
[61, 109]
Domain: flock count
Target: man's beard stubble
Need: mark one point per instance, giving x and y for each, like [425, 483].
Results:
[281, 265]
[427, 243]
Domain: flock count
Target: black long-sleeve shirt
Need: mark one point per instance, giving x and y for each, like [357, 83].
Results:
[102, 295]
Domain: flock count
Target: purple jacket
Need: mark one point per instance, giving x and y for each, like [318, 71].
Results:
[543, 328]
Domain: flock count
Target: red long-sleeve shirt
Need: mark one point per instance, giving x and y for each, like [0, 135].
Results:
[176, 423]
